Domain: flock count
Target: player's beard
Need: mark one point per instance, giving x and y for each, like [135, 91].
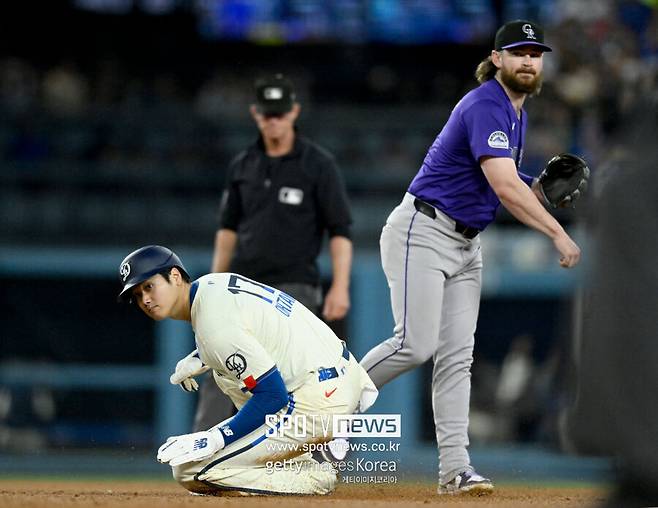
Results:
[512, 81]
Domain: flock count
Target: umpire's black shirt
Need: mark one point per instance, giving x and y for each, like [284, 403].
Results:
[280, 208]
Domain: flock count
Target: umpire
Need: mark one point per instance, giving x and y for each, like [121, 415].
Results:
[281, 194]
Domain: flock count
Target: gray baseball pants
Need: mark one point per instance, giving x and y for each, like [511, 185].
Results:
[434, 275]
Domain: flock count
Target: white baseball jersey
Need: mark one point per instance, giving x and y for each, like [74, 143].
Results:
[244, 329]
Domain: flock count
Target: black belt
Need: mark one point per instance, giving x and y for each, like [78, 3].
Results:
[427, 209]
[332, 372]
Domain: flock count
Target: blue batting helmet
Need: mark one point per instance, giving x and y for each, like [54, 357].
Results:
[143, 264]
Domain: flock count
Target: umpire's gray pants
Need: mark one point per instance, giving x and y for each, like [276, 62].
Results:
[434, 275]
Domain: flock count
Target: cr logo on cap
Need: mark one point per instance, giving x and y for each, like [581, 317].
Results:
[124, 271]
[529, 31]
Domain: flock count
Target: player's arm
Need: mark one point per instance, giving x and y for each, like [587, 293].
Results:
[523, 204]
[237, 350]
[241, 354]
[269, 396]
[533, 183]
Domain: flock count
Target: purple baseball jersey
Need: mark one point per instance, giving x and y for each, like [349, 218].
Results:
[483, 123]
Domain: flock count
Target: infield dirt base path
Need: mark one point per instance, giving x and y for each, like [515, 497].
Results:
[151, 494]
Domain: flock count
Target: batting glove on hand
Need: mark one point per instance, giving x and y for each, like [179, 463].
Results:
[186, 369]
[178, 450]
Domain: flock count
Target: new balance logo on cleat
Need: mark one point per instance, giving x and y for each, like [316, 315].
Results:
[467, 482]
[200, 443]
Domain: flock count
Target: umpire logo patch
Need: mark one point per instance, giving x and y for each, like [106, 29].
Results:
[236, 363]
[498, 139]
[291, 196]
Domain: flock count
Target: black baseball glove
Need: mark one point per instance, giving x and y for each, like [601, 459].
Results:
[564, 180]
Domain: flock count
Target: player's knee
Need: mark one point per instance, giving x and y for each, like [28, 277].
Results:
[325, 484]
[417, 357]
[187, 477]
[455, 366]
[465, 362]
[184, 474]
[200, 488]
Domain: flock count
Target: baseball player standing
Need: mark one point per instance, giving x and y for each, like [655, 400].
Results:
[270, 355]
[430, 247]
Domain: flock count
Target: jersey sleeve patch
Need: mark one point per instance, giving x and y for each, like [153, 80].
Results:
[237, 364]
[250, 382]
[498, 139]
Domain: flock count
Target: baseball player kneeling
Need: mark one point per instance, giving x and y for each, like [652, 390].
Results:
[284, 369]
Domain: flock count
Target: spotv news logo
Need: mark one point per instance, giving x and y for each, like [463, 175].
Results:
[367, 426]
[374, 425]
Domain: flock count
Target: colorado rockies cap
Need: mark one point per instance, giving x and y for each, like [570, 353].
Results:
[520, 33]
[275, 95]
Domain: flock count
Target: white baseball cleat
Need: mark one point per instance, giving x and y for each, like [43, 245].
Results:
[467, 482]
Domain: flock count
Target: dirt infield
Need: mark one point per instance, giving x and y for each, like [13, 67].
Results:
[151, 494]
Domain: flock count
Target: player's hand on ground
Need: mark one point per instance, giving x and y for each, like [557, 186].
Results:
[336, 303]
[178, 450]
[569, 251]
[186, 369]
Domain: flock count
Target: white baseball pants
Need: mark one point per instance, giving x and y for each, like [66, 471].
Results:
[245, 465]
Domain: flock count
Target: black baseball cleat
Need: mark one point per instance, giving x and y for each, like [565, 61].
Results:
[467, 482]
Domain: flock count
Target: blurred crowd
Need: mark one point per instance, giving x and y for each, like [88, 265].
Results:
[145, 122]
[606, 53]
[607, 56]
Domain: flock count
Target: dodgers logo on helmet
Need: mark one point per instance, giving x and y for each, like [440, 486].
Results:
[124, 271]
[529, 31]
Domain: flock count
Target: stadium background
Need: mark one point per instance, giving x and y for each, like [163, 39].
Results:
[117, 121]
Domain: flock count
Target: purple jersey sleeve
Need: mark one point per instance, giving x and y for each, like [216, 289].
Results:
[488, 130]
